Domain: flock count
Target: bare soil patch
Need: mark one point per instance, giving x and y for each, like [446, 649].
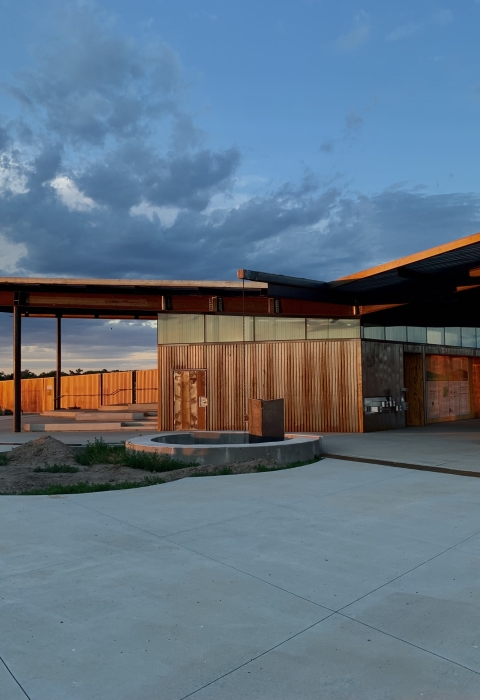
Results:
[18, 474]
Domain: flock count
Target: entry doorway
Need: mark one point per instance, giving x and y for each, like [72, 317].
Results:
[189, 399]
[413, 377]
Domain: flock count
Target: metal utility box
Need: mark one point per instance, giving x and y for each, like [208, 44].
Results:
[266, 421]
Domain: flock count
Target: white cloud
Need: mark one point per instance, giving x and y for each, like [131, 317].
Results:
[70, 194]
[404, 31]
[12, 177]
[166, 215]
[443, 16]
[11, 254]
[357, 36]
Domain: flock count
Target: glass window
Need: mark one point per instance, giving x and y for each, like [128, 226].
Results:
[227, 329]
[344, 328]
[453, 336]
[416, 334]
[374, 332]
[317, 328]
[398, 333]
[274, 328]
[436, 336]
[478, 337]
[469, 338]
[180, 328]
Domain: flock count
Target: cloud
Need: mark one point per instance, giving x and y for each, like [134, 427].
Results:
[327, 146]
[443, 16]
[135, 198]
[404, 31]
[353, 121]
[89, 344]
[357, 36]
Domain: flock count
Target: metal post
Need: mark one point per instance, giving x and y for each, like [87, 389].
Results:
[58, 376]
[134, 386]
[17, 368]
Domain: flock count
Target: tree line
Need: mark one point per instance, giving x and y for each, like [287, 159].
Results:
[28, 374]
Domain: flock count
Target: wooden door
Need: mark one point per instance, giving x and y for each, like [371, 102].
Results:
[190, 403]
[413, 374]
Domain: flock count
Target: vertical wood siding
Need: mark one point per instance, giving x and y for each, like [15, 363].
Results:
[413, 363]
[6, 394]
[319, 381]
[476, 386]
[82, 391]
[36, 396]
[117, 388]
[147, 386]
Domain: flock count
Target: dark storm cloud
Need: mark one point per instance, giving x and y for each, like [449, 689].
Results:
[106, 118]
[91, 84]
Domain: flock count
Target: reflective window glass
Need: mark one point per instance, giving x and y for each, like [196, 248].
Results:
[398, 333]
[469, 338]
[317, 328]
[227, 329]
[416, 334]
[374, 332]
[272, 328]
[453, 336]
[180, 328]
[344, 328]
[436, 336]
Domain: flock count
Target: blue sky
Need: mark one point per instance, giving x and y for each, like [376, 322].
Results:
[184, 138]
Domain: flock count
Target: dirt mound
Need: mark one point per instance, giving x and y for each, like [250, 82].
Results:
[42, 451]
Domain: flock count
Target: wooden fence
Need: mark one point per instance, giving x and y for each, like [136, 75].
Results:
[88, 391]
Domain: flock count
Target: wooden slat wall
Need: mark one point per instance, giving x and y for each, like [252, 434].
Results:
[476, 386]
[117, 388]
[36, 396]
[82, 391]
[6, 394]
[319, 380]
[147, 386]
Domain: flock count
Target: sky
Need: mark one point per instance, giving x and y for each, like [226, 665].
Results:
[177, 139]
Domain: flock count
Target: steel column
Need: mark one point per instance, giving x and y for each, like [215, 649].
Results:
[17, 368]
[58, 375]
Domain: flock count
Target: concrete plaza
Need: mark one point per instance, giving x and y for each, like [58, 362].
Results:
[338, 580]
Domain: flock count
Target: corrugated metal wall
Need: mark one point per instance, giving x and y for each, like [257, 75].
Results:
[147, 386]
[81, 391]
[117, 388]
[37, 394]
[319, 380]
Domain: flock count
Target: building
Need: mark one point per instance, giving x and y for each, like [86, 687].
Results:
[395, 345]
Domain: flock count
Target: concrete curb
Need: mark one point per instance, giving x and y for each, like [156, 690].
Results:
[296, 448]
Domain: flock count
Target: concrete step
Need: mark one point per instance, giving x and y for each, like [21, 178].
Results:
[103, 416]
[62, 413]
[145, 407]
[117, 407]
[85, 427]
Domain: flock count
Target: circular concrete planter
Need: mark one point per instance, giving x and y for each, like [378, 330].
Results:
[226, 447]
